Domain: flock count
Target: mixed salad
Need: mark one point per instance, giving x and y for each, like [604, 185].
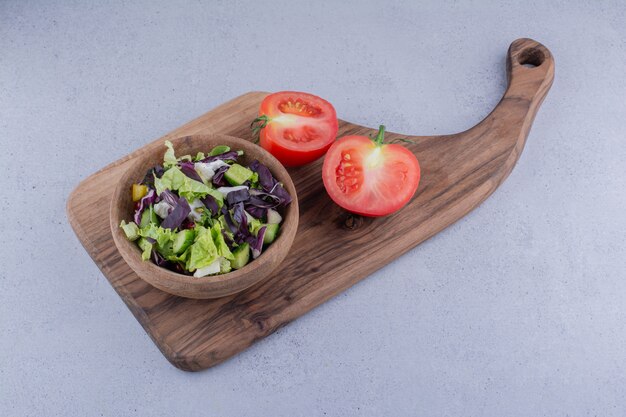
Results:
[207, 214]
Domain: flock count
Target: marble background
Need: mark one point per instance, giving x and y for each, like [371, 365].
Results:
[516, 310]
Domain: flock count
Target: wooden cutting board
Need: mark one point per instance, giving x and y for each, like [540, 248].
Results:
[332, 249]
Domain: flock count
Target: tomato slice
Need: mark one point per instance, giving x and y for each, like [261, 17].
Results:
[297, 128]
[369, 177]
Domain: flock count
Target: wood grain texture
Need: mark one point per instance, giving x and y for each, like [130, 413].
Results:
[459, 171]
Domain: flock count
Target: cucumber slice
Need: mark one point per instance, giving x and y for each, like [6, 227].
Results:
[148, 216]
[242, 256]
[271, 233]
[183, 240]
[237, 174]
[273, 216]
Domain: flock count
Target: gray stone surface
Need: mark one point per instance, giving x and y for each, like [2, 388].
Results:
[517, 310]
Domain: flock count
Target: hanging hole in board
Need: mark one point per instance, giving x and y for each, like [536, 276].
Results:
[531, 58]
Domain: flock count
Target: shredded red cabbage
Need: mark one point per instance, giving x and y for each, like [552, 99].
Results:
[178, 215]
[256, 243]
[238, 196]
[226, 156]
[188, 169]
[148, 179]
[229, 242]
[270, 184]
[169, 197]
[211, 203]
[158, 259]
[178, 267]
[265, 176]
[239, 216]
[229, 220]
[144, 203]
[262, 199]
[256, 211]
[218, 178]
[279, 191]
[187, 224]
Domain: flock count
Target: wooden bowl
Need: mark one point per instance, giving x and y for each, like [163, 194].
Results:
[122, 208]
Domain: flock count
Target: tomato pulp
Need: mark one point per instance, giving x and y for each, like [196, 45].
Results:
[368, 177]
[297, 128]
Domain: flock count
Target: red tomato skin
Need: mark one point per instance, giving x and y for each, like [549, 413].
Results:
[324, 123]
[370, 207]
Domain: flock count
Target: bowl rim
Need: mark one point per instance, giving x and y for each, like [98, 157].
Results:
[131, 252]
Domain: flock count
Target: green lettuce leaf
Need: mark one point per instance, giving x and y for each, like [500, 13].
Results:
[220, 243]
[205, 219]
[131, 230]
[175, 180]
[192, 189]
[225, 266]
[171, 180]
[164, 237]
[203, 251]
[222, 222]
[161, 235]
[179, 258]
[169, 159]
[218, 196]
[220, 149]
[254, 225]
[254, 180]
[146, 248]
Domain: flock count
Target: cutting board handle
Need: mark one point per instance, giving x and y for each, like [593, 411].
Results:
[530, 70]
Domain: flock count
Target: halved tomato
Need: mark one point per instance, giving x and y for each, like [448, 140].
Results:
[297, 128]
[368, 177]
